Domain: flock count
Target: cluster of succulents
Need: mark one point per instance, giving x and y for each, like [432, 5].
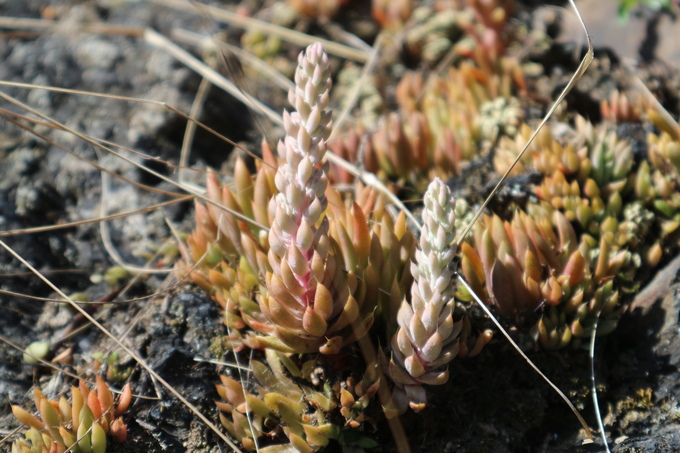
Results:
[321, 259]
[537, 262]
[476, 29]
[305, 273]
[491, 30]
[308, 277]
[291, 406]
[619, 109]
[443, 120]
[81, 426]
[610, 205]
[657, 181]
[441, 123]
[301, 270]
[433, 35]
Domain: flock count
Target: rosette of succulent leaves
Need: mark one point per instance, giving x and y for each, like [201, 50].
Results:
[307, 288]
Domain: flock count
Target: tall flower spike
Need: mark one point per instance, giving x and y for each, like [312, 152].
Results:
[301, 179]
[300, 303]
[428, 338]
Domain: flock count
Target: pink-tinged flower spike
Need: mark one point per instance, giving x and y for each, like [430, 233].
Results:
[301, 303]
[301, 179]
[428, 338]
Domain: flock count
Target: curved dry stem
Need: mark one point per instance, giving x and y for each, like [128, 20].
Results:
[651, 99]
[161, 42]
[585, 62]
[190, 130]
[232, 365]
[105, 233]
[596, 404]
[43, 25]
[10, 117]
[165, 105]
[10, 434]
[214, 43]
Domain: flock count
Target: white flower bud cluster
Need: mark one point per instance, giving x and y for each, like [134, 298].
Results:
[301, 179]
[427, 336]
[301, 304]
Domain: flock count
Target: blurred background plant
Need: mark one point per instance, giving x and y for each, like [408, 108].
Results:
[626, 7]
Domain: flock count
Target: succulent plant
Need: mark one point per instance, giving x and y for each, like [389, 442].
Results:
[591, 179]
[587, 179]
[276, 409]
[454, 102]
[491, 31]
[434, 33]
[599, 187]
[619, 109]
[381, 267]
[657, 181]
[500, 116]
[545, 154]
[534, 266]
[348, 147]
[394, 152]
[391, 14]
[80, 426]
[312, 283]
[300, 269]
[664, 154]
[476, 29]
[291, 408]
[301, 302]
[428, 337]
[443, 122]
[610, 159]
[370, 102]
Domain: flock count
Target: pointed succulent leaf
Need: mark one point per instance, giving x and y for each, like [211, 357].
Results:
[500, 281]
[50, 416]
[26, 418]
[313, 323]
[98, 439]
